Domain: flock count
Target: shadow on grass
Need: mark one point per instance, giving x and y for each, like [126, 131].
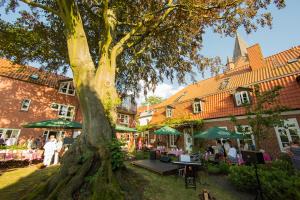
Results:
[16, 187]
[15, 183]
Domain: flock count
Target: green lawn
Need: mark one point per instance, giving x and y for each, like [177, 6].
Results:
[172, 187]
[15, 182]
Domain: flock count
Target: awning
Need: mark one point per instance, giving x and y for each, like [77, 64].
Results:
[120, 128]
[166, 130]
[54, 123]
[217, 133]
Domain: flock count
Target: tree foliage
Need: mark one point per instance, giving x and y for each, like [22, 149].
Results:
[152, 100]
[263, 112]
[155, 38]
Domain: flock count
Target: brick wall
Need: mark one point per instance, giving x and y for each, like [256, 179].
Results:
[14, 91]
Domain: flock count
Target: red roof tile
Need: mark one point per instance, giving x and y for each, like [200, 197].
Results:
[219, 103]
[23, 73]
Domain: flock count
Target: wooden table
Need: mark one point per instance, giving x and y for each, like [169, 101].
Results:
[190, 172]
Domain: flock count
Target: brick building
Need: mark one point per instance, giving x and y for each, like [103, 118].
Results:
[215, 99]
[29, 94]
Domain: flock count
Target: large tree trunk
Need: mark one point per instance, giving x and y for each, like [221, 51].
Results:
[86, 171]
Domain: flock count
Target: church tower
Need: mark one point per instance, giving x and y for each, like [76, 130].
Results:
[239, 53]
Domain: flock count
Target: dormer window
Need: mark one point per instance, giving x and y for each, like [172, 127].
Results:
[241, 98]
[223, 84]
[169, 111]
[67, 88]
[197, 106]
[34, 76]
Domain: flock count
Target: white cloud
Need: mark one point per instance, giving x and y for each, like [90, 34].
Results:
[163, 90]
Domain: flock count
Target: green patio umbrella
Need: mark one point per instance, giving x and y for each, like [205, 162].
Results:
[120, 128]
[166, 130]
[217, 133]
[54, 123]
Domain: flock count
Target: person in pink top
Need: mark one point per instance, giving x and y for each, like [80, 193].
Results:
[267, 157]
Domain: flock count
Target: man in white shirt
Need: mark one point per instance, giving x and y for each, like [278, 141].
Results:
[50, 148]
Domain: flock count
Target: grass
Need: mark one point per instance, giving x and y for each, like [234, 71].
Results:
[172, 187]
[15, 182]
[18, 181]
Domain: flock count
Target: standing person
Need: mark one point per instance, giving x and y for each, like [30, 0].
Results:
[246, 146]
[220, 151]
[59, 145]
[226, 146]
[140, 144]
[50, 148]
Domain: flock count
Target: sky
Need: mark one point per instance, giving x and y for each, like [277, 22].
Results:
[285, 33]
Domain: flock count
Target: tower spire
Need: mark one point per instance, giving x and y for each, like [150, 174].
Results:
[240, 48]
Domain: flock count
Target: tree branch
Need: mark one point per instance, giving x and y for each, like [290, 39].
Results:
[38, 5]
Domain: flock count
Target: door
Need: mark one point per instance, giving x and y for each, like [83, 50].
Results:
[188, 140]
[286, 134]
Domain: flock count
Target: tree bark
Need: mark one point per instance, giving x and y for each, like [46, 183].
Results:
[85, 171]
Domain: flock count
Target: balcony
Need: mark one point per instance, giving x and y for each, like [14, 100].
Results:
[127, 106]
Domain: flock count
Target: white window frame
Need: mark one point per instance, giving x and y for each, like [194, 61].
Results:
[3, 135]
[69, 85]
[249, 132]
[195, 104]
[25, 107]
[169, 112]
[64, 116]
[123, 119]
[241, 97]
[287, 125]
[172, 141]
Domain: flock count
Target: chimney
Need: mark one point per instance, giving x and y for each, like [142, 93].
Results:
[255, 57]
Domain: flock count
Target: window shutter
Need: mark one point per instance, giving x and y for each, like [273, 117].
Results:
[194, 107]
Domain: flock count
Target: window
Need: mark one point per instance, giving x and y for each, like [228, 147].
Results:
[64, 111]
[172, 140]
[25, 104]
[223, 84]
[10, 136]
[67, 88]
[286, 134]
[34, 76]
[123, 119]
[169, 111]
[241, 98]
[54, 106]
[248, 135]
[197, 106]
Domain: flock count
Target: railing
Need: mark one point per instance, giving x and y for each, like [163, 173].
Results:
[128, 108]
